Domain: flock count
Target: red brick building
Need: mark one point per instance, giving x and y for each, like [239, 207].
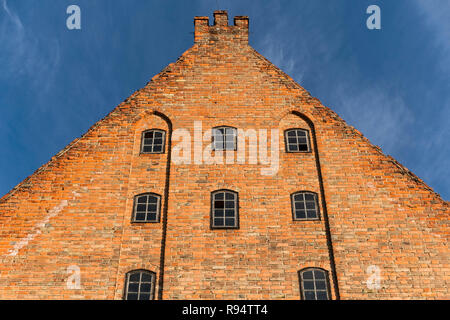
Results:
[126, 212]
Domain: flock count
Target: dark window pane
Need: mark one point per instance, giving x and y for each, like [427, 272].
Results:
[153, 199]
[318, 274]
[140, 216]
[229, 196]
[298, 197]
[229, 222]
[145, 288]
[321, 285]
[300, 214]
[142, 199]
[133, 287]
[219, 196]
[229, 204]
[229, 213]
[144, 296]
[218, 222]
[309, 197]
[148, 142]
[146, 277]
[147, 149]
[141, 207]
[151, 216]
[307, 275]
[219, 204]
[312, 214]
[132, 296]
[309, 295]
[310, 205]
[322, 295]
[157, 135]
[148, 135]
[293, 147]
[303, 147]
[291, 133]
[152, 207]
[157, 148]
[308, 285]
[301, 133]
[218, 213]
[134, 276]
[299, 205]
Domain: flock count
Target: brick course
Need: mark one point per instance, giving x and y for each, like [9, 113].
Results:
[76, 209]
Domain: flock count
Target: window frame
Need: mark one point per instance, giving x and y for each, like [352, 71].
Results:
[213, 145]
[286, 141]
[127, 282]
[158, 208]
[236, 207]
[163, 149]
[301, 280]
[294, 218]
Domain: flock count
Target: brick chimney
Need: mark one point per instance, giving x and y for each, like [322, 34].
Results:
[220, 30]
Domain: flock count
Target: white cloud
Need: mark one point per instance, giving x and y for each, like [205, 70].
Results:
[436, 15]
[24, 55]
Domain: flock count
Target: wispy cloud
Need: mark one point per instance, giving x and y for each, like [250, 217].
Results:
[436, 15]
[23, 54]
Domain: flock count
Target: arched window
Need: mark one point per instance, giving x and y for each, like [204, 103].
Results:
[297, 140]
[305, 206]
[153, 141]
[147, 207]
[224, 209]
[314, 284]
[224, 138]
[139, 285]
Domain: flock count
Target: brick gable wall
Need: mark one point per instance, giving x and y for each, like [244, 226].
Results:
[76, 210]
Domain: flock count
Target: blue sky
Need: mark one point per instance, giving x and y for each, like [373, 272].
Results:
[391, 84]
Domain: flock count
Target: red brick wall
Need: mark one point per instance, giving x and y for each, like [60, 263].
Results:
[76, 210]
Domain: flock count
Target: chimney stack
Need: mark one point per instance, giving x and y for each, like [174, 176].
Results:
[220, 31]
